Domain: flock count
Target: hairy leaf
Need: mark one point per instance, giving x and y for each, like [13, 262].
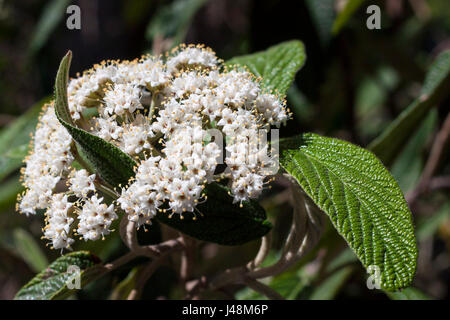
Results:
[435, 88]
[222, 221]
[362, 199]
[52, 283]
[276, 66]
[112, 165]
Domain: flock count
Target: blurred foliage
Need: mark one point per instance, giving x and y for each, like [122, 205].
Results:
[354, 84]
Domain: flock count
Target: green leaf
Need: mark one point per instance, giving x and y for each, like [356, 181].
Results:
[222, 221]
[277, 65]
[111, 164]
[52, 283]
[29, 250]
[124, 287]
[323, 16]
[409, 293]
[172, 21]
[329, 288]
[436, 86]
[345, 14]
[409, 164]
[362, 199]
[51, 16]
[15, 139]
[427, 227]
[9, 190]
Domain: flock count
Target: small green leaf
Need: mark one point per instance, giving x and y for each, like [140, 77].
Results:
[409, 293]
[436, 86]
[112, 165]
[124, 287]
[427, 227]
[9, 190]
[222, 221]
[52, 283]
[345, 14]
[29, 250]
[277, 65]
[323, 16]
[172, 21]
[329, 288]
[14, 140]
[52, 14]
[362, 199]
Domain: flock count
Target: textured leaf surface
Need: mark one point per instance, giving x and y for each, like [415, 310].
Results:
[362, 199]
[222, 222]
[113, 165]
[435, 88]
[277, 65]
[52, 282]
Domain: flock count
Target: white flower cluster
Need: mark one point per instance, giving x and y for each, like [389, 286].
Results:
[160, 111]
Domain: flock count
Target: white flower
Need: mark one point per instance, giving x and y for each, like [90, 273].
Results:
[95, 219]
[193, 56]
[58, 222]
[123, 97]
[81, 183]
[158, 112]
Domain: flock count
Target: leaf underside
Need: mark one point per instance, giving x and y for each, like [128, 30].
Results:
[362, 199]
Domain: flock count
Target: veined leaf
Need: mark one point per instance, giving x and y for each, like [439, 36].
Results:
[362, 199]
[52, 283]
[222, 221]
[276, 66]
[113, 165]
[435, 88]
